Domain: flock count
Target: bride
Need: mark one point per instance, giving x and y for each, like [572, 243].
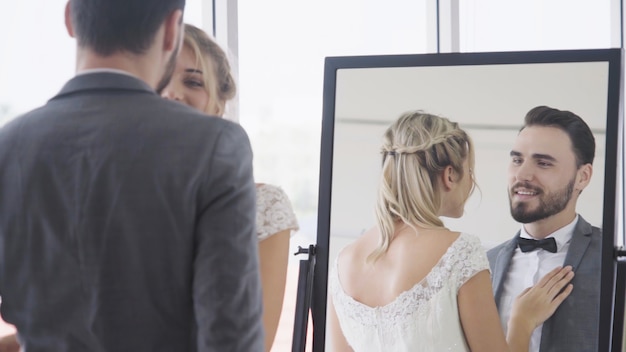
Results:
[409, 283]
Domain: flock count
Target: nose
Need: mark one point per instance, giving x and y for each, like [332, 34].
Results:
[171, 94]
[523, 172]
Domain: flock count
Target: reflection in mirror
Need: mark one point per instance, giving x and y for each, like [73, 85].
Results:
[489, 101]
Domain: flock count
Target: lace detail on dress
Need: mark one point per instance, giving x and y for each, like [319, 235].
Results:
[419, 308]
[470, 260]
[274, 212]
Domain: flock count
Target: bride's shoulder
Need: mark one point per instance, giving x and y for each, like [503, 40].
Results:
[469, 238]
[351, 252]
[470, 252]
[352, 256]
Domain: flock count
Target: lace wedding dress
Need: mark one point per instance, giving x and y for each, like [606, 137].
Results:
[273, 211]
[424, 318]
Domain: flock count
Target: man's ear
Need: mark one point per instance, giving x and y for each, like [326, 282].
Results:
[583, 176]
[448, 178]
[68, 20]
[173, 30]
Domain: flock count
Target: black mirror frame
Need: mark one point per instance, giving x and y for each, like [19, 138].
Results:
[614, 121]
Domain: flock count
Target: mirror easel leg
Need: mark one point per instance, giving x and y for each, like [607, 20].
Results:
[619, 305]
[303, 299]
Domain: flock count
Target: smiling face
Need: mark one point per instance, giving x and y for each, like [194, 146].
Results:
[544, 181]
[187, 82]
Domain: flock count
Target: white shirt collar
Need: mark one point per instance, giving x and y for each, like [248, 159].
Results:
[104, 69]
[561, 236]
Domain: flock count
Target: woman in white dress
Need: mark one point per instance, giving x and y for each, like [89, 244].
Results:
[203, 79]
[409, 283]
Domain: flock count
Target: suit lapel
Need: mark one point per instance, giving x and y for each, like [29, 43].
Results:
[581, 237]
[579, 243]
[503, 261]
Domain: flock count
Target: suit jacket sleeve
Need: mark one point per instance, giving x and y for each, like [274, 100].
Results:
[226, 280]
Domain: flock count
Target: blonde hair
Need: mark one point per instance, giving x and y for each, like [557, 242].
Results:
[416, 150]
[219, 82]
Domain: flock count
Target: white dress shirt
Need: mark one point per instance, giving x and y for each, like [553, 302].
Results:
[528, 268]
[104, 69]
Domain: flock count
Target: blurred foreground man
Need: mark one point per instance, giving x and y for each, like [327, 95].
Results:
[126, 220]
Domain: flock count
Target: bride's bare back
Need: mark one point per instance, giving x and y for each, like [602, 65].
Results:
[406, 300]
[407, 262]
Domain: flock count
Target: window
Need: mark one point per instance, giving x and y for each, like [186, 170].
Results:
[32, 70]
[492, 25]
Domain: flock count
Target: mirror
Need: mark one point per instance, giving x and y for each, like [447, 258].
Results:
[488, 94]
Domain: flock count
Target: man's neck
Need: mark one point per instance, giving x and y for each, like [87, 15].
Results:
[135, 65]
[543, 228]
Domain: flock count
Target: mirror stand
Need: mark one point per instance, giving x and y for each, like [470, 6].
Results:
[619, 299]
[304, 298]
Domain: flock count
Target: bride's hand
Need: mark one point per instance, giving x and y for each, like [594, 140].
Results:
[537, 303]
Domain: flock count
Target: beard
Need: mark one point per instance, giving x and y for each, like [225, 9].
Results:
[169, 71]
[549, 204]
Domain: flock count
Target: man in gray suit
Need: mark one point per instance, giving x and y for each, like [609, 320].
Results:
[551, 164]
[127, 222]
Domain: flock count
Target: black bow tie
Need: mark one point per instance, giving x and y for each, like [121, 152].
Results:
[527, 244]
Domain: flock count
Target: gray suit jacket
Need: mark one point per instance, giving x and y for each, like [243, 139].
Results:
[127, 224]
[574, 326]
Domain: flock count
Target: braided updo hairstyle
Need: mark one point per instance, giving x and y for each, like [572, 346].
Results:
[416, 149]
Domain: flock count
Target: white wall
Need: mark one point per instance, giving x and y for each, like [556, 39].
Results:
[480, 98]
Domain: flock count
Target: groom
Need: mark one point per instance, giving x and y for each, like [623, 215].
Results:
[551, 164]
[127, 221]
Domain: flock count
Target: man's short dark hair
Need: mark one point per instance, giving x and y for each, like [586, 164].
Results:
[110, 26]
[583, 142]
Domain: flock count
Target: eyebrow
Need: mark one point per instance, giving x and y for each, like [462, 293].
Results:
[193, 70]
[534, 156]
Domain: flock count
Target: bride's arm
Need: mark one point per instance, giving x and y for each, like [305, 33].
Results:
[9, 343]
[337, 340]
[537, 303]
[479, 315]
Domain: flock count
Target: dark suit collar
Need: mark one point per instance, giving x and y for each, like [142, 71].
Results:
[579, 243]
[103, 81]
[581, 239]
[501, 267]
